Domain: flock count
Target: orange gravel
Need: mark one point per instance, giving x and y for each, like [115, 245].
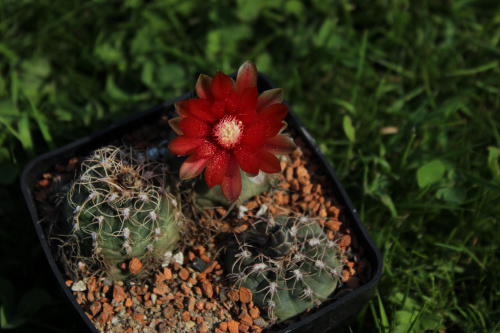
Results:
[179, 297]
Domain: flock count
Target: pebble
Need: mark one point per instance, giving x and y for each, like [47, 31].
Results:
[191, 303]
[262, 210]
[222, 296]
[245, 319]
[179, 258]
[200, 305]
[168, 312]
[134, 265]
[345, 241]
[167, 258]
[118, 293]
[260, 322]
[245, 295]
[186, 316]
[203, 328]
[223, 326]
[254, 312]
[184, 274]
[95, 308]
[243, 328]
[79, 286]
[199, 264]
[233, 295]
[162, 289]
[232, 325]
[207, 289]
[167, 272]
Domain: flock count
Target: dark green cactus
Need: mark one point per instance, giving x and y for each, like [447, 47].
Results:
[120, 207]
[289, 265]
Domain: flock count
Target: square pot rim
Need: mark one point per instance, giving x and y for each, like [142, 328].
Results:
[87, 140]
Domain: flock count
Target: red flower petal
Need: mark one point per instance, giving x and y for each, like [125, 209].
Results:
[184, 145]
[174, 123]
[216, 168]
[192, 126]
[231, 183]
[246, 77]
[221, 85]
[249, 98]
[253, 135]
[192, 167]
[247, 118]
[219, 109]
[269, 162]
[204, 87]
[269, 121]
[248, 158]
[206, 150]
[182, 108]
[202, 109]
[279, 145]
[247, 113]
[274, 111]
[269, 97]
[232, 101]
[267, 128]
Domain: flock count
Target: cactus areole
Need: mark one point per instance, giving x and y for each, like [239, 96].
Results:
[120, 208]
[228, 127]
[289, 264]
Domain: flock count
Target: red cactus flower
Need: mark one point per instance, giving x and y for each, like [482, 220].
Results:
[230, 127]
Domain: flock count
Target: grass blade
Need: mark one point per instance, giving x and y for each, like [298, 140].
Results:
[44, 129]
[383, 316]
[475, 70]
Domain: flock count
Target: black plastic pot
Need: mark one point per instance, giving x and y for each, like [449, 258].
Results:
[334, 316]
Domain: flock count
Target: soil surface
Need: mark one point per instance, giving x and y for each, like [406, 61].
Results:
[189, 291]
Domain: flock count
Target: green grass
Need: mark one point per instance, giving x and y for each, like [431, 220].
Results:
[402, 96]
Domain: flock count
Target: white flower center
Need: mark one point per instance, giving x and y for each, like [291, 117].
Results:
[228, 131]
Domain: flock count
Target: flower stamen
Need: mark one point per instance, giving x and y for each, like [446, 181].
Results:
[228, 132]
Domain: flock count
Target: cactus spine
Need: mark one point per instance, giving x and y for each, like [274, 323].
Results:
[289, 265]
[120, 207]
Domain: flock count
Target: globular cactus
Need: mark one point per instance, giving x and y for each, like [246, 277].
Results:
[212, 197]
[289, 264]
[120, 207]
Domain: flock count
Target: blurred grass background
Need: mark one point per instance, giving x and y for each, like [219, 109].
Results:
[402, 96]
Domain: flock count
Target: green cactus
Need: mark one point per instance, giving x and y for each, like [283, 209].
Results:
[120, 207]
[210, 197]
[289, 264]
